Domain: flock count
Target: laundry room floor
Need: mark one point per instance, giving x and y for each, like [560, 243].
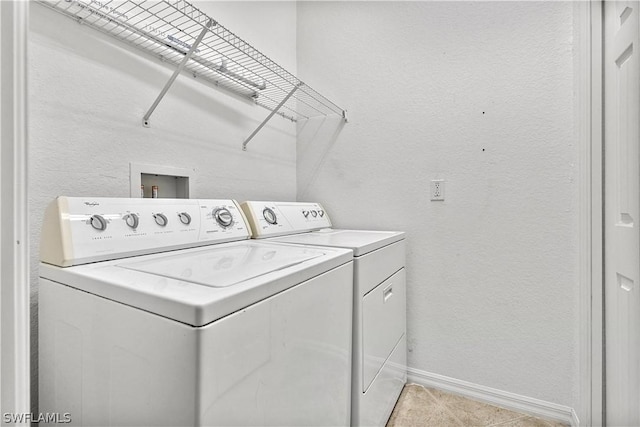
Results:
[425, 407]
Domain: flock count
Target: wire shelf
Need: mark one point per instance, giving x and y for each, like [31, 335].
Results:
[169, 29]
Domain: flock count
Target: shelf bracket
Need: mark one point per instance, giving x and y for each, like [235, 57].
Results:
[145, 119]
[275, 110]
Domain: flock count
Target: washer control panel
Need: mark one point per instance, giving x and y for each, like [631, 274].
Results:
[270, 219]
[78, 230]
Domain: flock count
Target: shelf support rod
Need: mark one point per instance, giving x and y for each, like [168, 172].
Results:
[275, 110]
[145, 119]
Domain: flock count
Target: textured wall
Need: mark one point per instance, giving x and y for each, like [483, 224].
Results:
[481, 95]
[88, 94]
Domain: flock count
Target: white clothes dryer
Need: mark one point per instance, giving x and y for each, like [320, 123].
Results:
[379, 322]
[160, 312]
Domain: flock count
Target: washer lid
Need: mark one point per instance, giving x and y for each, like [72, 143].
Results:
[359, 241]
[223, 266]
[200, 285]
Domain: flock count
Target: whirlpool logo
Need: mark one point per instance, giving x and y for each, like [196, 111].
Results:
[92, 203]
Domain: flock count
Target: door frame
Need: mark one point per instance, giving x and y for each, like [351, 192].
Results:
[14, 227]
[590, 133]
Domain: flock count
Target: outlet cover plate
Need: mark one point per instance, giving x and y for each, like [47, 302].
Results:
[437, 190]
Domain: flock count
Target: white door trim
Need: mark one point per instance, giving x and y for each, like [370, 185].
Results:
[589, 101]
[14, 227]
[597, 218]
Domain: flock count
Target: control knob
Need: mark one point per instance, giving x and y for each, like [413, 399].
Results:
[98, 222]
[161, 219]
[314, 213]
[185, 218]
[270, 216]
[223, 217]
[131, 220]
[305, 213]
[321, 213]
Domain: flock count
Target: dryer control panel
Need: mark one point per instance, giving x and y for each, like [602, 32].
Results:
[79, 230]
[270, 219]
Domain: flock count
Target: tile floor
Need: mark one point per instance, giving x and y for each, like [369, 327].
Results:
[425, 407]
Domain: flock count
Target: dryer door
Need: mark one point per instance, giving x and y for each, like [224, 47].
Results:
[384, 323]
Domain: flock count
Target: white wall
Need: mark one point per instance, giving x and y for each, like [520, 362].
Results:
[481, 95]
[88, 94]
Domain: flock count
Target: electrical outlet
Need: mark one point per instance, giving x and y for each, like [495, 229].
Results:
[437, 190]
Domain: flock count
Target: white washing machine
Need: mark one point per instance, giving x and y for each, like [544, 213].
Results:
[158, 312]
[379, 322]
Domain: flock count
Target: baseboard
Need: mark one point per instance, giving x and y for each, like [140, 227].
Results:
[575, 421]
[504, 399]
